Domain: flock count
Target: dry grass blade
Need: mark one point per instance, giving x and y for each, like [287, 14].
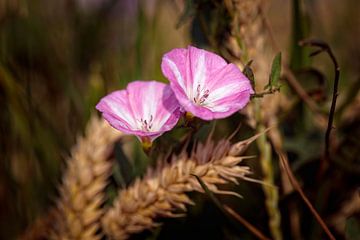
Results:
[296, 185]
[162, 192]
[248, 225]
[81, 193]
[227, 210]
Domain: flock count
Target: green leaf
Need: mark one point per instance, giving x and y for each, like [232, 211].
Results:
[248, 72]
[275, 72]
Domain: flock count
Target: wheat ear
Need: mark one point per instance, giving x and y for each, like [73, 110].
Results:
[162, 192]
[82, 190]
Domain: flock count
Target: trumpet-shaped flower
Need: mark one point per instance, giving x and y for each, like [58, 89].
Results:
[205, 84]
[146, 109]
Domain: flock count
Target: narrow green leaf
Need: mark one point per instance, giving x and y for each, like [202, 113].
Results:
[275, 72]
[248, 72]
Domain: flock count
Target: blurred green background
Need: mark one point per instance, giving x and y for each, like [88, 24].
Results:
[57, 58]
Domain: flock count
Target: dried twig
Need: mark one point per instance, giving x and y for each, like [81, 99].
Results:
[277, 142]
[324, 47]
[228, 211]
[296, 185]
[244, 222]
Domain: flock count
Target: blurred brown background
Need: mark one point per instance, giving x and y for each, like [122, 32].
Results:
[57, 58]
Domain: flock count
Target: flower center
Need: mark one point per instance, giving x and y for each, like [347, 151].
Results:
[146, 125]
[201, 95]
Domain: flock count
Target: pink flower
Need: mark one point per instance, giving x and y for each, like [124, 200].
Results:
[145, 109]
[205, 84]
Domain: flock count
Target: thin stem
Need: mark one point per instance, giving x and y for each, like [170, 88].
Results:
[296, 185]
[262, 94]
[324, 47]
[333, 103]
[277, 142]
[228, 211]
[271, 194]
[246, 224]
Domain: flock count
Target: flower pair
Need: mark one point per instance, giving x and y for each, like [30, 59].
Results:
[201, 83]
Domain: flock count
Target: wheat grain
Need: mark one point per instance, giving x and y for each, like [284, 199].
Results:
[81, 193]
[162, 192]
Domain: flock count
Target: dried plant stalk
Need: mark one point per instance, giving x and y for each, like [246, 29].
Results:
[249, 25]
[162, 192]
[249, 18]
[81, 194]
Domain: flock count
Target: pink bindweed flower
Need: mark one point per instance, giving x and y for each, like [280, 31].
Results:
[146, 109]
[205, 85]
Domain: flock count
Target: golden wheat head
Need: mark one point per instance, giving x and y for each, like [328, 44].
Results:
[82, 190]
[162, 192]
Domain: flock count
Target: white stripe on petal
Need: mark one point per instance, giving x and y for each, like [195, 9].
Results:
[218, 108]
[222, 92]
[177, 73]
[163, 120]
[200, 74]
[150, 102]
[122, 113]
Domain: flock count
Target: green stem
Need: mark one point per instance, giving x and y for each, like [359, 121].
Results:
[262, 94]
[271, 193]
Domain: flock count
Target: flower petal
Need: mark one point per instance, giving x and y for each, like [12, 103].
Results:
[145, 108]
[203, 64]
[227, 106]
[228, 76]
[174, 65]
[116, 104]
[169, 113]
[152, 100]
[194, 73]
[143, 100]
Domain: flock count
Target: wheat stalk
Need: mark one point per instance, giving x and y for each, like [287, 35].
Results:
[162, 192]
[81, 193]
[249, 25]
